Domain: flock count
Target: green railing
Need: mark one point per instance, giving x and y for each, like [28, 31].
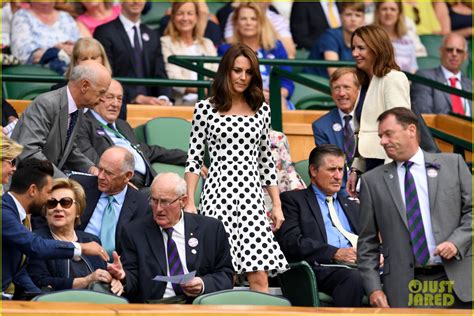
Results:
[459, 145]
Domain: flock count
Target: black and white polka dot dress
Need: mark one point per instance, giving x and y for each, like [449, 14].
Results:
[241, 162]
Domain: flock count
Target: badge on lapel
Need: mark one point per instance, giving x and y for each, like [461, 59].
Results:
[145, 37]
[193, 242]
[432, 169]
[100, 132]
[336, 127]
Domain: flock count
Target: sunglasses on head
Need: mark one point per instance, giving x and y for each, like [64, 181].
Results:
[12, 162]
[65, 202]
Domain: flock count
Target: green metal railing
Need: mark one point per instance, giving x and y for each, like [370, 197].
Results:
[459, 145]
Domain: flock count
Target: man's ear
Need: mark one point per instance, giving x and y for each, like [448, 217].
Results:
[129, 175]
[85, 84]
[32, 190]
[312, 171]
[183, 201]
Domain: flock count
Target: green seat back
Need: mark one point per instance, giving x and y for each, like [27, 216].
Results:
[168, 132]
[427, 62]
[432, 44]
[140, 133]
[26, 90]
[302, 168]
[85, 296]
[158, 10]
[305, 97]
[240, 297]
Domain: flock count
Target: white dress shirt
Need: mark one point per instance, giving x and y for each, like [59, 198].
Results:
[128, 26]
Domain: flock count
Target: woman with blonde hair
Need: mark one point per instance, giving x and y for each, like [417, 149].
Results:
[10, 150]
[184, 36]
[251, 27]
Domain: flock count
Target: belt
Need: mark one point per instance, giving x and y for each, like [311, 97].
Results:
[429, 270]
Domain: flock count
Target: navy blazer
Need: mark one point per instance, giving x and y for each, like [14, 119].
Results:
[303, 234]
[55, 272]
[135, 206]
[17, 240]
[144, 256]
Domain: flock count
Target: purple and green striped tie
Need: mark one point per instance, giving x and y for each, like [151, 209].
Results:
[415, 221]
[349, 141]
[174, 262]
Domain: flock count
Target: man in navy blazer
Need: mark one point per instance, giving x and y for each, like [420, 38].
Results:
[329, 129]
[118, 38]
[311, 233]
[30, 189]
[201, 244]
[115, 173]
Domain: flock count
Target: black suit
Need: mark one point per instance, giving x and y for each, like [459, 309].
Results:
[119, 50]
[303, 237]
[144, 256]
[307, 23]
[135, 206]
[92, 141]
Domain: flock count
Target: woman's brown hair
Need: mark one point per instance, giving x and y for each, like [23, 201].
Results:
[222, 87]
[378, 42]
[172, 31]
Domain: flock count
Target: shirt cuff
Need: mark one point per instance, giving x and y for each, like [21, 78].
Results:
[77, 250]
[163, 97]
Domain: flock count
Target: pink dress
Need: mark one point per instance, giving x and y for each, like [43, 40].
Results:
[91, 23]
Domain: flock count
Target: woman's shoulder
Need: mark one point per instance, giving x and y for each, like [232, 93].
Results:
[65, 17]
[395, 75]
[22, 14]
[87, 237]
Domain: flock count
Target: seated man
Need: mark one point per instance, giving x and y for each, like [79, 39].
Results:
[425, 99]
[321, 227]
[110, 202]
[338, 125]
[171, 242]
[102, 128]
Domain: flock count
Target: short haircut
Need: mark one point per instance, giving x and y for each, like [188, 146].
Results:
[354, 5]
[180, 184]
[31, 171]
[318, 153]
[84, 72]
[79, 194]
[447, 36]
[10, 148]
[403, 116]
[221, 87]
[128, 163]
[341, 72]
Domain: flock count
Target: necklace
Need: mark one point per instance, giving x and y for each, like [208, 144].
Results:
[73, 239]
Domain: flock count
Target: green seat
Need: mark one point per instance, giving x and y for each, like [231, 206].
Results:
[305, 98]
[168, 132]
[301, 54]
[140, 133]
[82, 296]
[302, 168]
[427, 62]
[158, 10]
[432, 44]
[26, 90]
[299, 285]
[240, 297]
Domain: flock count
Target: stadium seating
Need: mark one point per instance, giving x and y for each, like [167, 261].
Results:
[26, 90]
[85, 296]
[240, 297]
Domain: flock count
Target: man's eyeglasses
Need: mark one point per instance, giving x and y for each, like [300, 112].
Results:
[12, 162]
[164, 203]
[452, 50]
[65, 202]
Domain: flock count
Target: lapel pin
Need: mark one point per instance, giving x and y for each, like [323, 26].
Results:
[432, 173]
[193, 251]
[391, 176]
[193, 242]
[145, 37]
[336, 127]
[100, 132]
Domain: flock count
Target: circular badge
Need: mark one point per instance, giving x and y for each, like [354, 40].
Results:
[193, 251]
[145, 37]
[336, 127]
[193, 242]
[432, 173]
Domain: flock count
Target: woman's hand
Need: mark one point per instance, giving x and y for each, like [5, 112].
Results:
[116, 287]
[99, 275]
[277, 217]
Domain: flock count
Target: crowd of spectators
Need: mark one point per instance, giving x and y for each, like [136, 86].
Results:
[107, 218]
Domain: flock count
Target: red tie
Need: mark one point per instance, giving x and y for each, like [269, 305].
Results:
[456, 101]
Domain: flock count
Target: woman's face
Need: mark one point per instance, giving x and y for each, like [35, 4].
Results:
[185, 18]
[352, 19]
[240, 75]
[389, 14]
[62, 215]
[43, 6]
[362, 55]
[91, 55]
[247, 23]
[8, 168]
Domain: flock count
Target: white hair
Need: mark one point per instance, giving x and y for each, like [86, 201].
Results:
[84, 71]
[173, 179]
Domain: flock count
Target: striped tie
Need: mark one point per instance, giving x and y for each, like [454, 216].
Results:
[349, 141]
[415, 221]
[174, 262]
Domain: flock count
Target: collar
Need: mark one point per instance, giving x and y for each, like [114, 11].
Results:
[342, 114]
[101, 119]
[179, 227]
[417, 159]
[448, 74]
[119, 197]
[127, 24]
[319, 194]
[21, 209]
[71, 104]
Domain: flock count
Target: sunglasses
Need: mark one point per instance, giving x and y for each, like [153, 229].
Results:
[65, 202]
[12, 162]
[452, 50]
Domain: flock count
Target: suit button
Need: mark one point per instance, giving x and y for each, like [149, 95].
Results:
[411, 265]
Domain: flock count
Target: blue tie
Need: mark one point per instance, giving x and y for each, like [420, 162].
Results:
[107, 230]
[72, 123]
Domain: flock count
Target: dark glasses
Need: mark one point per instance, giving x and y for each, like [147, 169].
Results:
[65, 202]
[452, 50]
[12, 162]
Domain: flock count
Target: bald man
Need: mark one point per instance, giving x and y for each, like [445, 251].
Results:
[48, 127]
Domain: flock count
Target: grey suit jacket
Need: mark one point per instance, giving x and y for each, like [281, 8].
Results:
[382, 209]
[425, 99]
[42, 131]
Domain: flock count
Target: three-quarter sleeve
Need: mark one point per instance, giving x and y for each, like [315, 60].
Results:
[197, 139]
[266, 164]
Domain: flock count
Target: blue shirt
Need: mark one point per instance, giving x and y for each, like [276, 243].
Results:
[95, 223]
[334, 236]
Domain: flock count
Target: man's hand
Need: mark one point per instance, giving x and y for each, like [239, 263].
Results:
[348, 255]
[116, 287]
[194, 287]
[144, 99]
[378, 299]
[99, 275]
[115, 268]
[446, 250]
[94, 171]
[352, 184]
[94, 249]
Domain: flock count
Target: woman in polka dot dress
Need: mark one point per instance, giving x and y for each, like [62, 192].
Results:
[234, 124]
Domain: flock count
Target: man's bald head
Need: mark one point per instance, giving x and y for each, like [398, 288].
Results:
[89, 82]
